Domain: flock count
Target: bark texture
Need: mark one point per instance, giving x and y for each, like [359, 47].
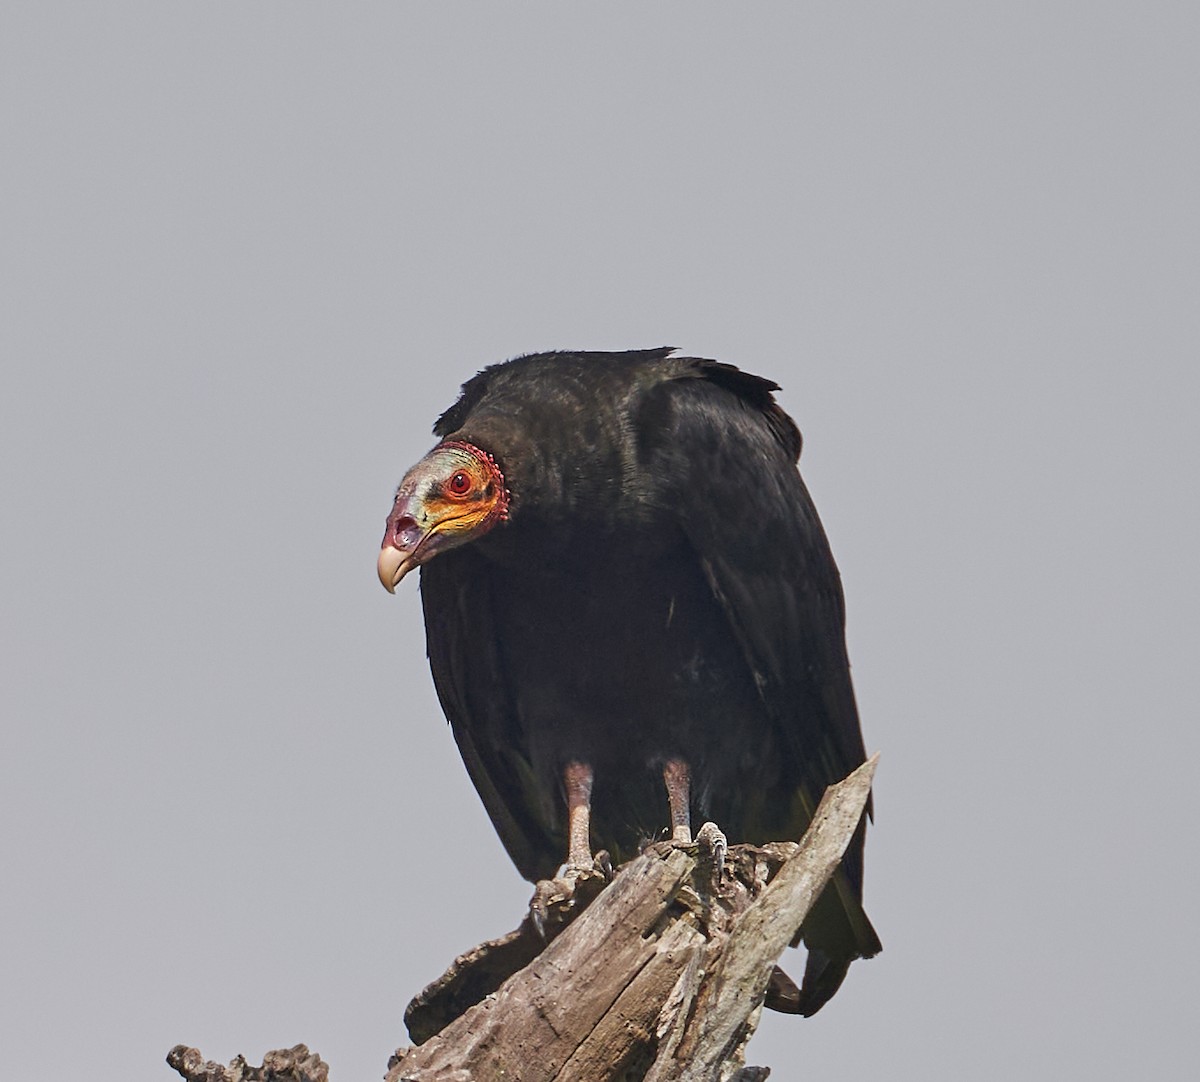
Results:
[295, 1064]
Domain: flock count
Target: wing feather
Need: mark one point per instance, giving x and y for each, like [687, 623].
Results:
[729, 455]
[469, 677]
[742, 504]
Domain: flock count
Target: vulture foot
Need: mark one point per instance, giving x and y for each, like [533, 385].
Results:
[556, 902]
[712, 846]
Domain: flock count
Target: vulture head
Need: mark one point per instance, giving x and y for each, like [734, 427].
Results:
[454, 495]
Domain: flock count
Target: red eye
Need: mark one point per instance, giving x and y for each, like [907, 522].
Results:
[460, 484]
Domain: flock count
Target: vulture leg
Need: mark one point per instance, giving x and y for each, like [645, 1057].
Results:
[577, 778]
[711, 842]
[678, 779]
[584, 876]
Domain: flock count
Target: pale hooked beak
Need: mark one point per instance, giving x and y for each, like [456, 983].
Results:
[393, 566]
[404, 537]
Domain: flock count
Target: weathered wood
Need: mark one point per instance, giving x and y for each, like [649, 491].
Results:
[659, 977]
[622, 1045]
[480, 971]
[539, 1017]
[294, 1064]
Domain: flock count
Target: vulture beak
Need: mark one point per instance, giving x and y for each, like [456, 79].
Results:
[393, 566]
[404, 540]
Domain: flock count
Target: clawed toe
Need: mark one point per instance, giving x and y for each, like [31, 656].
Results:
[557, 901]
[711, 846]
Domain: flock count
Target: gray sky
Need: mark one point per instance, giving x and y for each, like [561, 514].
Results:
[249, 252]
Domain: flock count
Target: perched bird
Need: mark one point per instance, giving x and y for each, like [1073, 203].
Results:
[633, 615]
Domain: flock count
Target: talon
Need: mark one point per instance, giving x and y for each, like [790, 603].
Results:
[548, 893]
[712, 845]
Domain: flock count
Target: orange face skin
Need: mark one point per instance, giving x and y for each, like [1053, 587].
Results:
[455, 494]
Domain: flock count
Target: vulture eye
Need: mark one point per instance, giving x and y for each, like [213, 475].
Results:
[460, 484]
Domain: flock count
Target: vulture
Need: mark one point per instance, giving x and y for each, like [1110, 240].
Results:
[633, 617]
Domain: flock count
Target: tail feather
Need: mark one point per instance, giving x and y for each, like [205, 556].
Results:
[823, 976]
[836, 932]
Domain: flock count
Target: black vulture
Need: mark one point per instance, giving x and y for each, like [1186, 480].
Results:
[633, 615]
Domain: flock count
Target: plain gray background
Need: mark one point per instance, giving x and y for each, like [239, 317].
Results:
[249, 252]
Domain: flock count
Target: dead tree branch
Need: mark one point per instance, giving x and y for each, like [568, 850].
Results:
[660, 976]
[285, 1065]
